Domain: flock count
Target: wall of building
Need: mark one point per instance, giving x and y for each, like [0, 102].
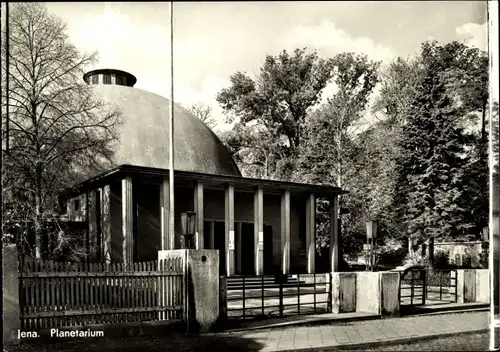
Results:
[461, 251]
[148, 224]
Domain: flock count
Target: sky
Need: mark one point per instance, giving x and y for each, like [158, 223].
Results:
[214, 40]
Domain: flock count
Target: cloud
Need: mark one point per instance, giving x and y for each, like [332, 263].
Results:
[473, 34]
[329, 40]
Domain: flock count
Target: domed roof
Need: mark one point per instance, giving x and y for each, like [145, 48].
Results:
[144, 137]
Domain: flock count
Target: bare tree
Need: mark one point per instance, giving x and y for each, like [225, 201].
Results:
[204, 113]
[56, 130]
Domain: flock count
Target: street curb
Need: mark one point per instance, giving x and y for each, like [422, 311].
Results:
[330, 321]
[382, 342]
[306, 323]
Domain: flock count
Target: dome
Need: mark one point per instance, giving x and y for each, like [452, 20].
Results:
[144, 137]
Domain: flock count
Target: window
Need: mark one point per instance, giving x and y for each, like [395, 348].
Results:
[119, 80]
[95, 79]
[76, 204]
[107, 79]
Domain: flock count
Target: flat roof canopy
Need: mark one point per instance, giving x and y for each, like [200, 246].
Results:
[189, 179]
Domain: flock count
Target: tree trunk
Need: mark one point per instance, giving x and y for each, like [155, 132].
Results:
[38, 211]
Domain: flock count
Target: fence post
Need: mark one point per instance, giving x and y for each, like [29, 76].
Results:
[11, 308]
[280, 280]
[201, 291]
[222, 299]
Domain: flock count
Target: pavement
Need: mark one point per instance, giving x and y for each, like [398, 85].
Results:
[327, 335]
[361, 334]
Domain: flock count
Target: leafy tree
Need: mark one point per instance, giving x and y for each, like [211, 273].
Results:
[330, 150]
[431, 174]
[204, 113]
[278, 100]
[56, 130]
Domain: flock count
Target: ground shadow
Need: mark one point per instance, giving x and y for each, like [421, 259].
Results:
[169, 342]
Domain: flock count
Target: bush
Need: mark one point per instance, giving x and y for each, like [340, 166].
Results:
[441, 260]
[392, 256]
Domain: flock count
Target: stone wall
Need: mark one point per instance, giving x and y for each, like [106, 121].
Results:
[458, 252]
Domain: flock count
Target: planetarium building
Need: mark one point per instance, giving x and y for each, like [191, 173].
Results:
[258, 226]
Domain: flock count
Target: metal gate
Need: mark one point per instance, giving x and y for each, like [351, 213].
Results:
[441, 286]
[420, 287]
[278, 295]
[412, 288]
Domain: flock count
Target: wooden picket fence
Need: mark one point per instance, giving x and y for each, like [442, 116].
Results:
[54, 294]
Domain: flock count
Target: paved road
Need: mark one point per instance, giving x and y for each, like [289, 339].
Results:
[327, 336]
[467, 342]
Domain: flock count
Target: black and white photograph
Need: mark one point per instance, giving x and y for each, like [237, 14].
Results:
[250, 176]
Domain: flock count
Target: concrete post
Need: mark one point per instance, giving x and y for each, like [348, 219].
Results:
[164, 213]
[311, 233]
[285, 232]
[11, 309]
[127, 220]
[482, 286]
[334, 234]
[106, 222]
[202, 280]
[222, 299]
[343, 292]
[92, 217]
[368, 292]
[390, 305]
[199, 209]
[466, 286]
[229, 225]
[258, 215]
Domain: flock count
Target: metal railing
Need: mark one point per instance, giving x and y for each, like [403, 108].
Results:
[278, 295]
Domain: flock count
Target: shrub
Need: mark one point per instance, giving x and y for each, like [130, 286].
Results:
[441, 260]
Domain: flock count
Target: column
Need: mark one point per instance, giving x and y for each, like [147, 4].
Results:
[258, 216]
[311, 233]
[127, 221]
[334, 234]
[164, 213]
[229, 228]
[198, 208]
[92, 216]
[106, 222]
[285, 232]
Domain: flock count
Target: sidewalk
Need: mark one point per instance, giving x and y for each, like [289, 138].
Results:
[334, 335]
[362, 334]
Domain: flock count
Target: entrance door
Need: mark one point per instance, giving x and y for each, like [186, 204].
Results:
[268, 250]
[220, 244]
[247, 249]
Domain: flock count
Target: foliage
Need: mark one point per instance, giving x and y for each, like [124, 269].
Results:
[204, 113]
[58, 132]
[276, 104]
[330, 150]
[432, 172]
[442, 260]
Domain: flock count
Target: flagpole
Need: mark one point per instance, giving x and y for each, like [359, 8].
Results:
[171, 227]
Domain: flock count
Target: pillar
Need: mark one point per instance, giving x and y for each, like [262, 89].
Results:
[198, 208]
[311, 233]
[285, 232]
[164, 213]
[334, 234]
[258, 216]
[229, 228]
[92, 216]
[10, 286]
[106, 222]
[127, 221]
